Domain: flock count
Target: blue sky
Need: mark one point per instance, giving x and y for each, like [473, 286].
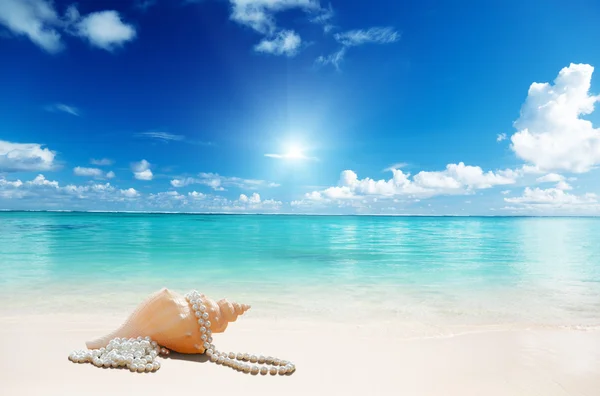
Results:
[300, 106]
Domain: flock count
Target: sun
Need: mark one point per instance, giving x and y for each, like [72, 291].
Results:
[294, 151]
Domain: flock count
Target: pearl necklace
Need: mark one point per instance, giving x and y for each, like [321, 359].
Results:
[139, 354]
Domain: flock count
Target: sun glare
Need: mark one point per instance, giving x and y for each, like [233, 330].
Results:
[294, 152]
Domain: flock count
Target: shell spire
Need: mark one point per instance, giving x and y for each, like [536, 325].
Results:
[170, 320]
[229, 312]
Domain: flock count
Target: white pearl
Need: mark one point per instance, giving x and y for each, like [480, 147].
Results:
[202, 329]
[261, 359]
[273, 371]
[205, 315]
[220, 359]
[149, 367]
[264, 370]
[203, 337]
[253, 359]
[282, 370]
[231, 355]
[254, 370]
[200, 321]
[202, 307]
[239, 356]
[213, 358]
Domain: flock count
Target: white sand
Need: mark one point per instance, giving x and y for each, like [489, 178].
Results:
[331, 359]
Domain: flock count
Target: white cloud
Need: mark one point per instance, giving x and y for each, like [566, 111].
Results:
[196, 195]
[551, 133]
[39, 21]
[398, 165]
[455, 179]
[25, 157]
[354, 38]
[563, 185]
[323, 17]
[552, 197]
[501, 137]
[550, 178]
[505, 192]
[141, 170]
[285, 42]
[130, 193]
[41, 192]
[163, 136]
[334, 59]
[260, 14]
[40, 180]
[93, 172]
[61, 107]
[374, 35]
[295, 156]
[102, 162]
[195, 201]
[253, 199]
[103, 29]
[218, 182]
[35, 19]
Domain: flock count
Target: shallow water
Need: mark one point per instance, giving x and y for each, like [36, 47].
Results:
[457, 270]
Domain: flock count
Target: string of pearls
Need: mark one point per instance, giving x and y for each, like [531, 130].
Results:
[231, 359]
[139, 354]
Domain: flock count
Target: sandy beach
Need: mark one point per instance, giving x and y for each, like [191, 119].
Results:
[331, 359]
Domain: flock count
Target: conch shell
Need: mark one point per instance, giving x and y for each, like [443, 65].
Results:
[168, 319]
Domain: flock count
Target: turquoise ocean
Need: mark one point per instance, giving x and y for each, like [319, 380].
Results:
[470, 270]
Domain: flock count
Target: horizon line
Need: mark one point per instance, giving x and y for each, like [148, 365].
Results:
[283, 214]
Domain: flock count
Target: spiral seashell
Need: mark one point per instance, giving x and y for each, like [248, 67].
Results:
[168, 319]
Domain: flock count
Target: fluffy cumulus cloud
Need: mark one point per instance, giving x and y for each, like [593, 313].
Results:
[141, 170]
[286, 42]
[554, 198]
[550, 178]
[551, 135]
[220, 183]
[41, 23]
[25, 157]
[455, 179]
[40, 193]
[198, 202]
[35, 19]
[103, 29]
[93, 172]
